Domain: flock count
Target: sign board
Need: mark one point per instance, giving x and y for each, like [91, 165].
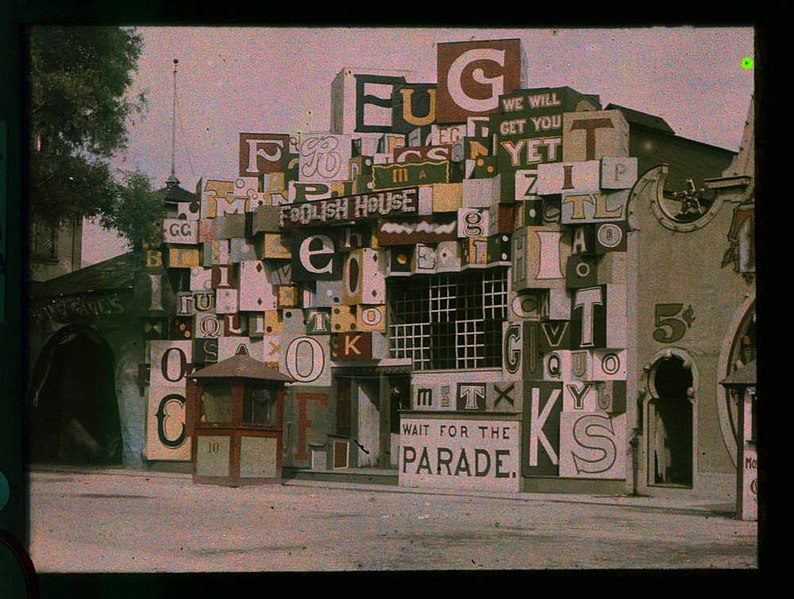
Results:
[324, 157]
[398, 202]
[591, 445]
[541, 428]
[472, 76]
[424, 229]
[460, 454]
[262, 153]
[395, 176]
[166, 438]
[413, 105]
[306, 359]
[594, 134]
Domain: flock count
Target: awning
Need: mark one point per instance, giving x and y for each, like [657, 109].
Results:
[374, 368]
[744, 376]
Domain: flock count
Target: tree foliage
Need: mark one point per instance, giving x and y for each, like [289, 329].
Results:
[137, 211]
[79, 109]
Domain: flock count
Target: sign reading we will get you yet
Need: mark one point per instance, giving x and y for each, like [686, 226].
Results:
[460, 454]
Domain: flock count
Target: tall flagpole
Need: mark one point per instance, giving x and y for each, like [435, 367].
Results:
[172, 180]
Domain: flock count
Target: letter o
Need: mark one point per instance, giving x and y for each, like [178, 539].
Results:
[610, 235]
[316, 358]
[610, 364]
[166, 361]
[371, 316]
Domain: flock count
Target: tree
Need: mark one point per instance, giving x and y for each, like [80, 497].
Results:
[137, 211]
[80, 79]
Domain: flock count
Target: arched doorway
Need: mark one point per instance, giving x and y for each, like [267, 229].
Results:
[670, 421]
[73, 411]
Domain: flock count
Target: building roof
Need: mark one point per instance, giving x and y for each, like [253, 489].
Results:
[744, 162]
[744, 375]
[241, 366]
[109, 275]
[653, 142]
[173, 193]
[643, 119]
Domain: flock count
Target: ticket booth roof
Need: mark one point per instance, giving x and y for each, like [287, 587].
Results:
[241, 367]
[741, 377]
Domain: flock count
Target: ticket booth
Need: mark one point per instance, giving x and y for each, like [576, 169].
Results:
[742, 383]
[234, 416]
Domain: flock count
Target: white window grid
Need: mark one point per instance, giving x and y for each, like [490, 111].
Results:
[467, 305]
[494, 295]
[443, 295]
[411, 341]
[469, 343]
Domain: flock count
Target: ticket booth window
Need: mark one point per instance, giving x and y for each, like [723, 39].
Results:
[259, 406]
[217, 404]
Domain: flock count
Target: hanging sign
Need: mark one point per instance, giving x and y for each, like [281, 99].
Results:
[393, 176]
[398, 202]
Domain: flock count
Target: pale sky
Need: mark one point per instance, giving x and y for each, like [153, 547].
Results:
[279, 81]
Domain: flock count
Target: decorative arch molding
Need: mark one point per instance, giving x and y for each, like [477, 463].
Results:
[650, 188]
[670, 352]
[651, 396]
[728, 342]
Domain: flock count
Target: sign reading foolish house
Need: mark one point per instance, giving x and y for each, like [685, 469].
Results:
[400, 202]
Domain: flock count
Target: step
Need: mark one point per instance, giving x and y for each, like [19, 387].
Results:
[371, 476]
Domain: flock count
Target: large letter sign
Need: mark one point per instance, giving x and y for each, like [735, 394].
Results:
[306, 359]
[472, 76]
[542, 428]
[262, 153]
[315, 257]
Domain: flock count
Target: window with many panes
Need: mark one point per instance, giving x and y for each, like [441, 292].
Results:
[448, 321]
[44, 241]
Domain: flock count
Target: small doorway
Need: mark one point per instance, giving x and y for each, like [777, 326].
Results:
[74, 415]
[368, 415]
[670, 423]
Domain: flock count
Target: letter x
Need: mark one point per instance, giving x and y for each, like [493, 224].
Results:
[503, 394]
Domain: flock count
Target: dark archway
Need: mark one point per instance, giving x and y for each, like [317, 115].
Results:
[671, 439]
[74, 415]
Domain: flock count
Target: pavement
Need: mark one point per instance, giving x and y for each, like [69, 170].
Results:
[118, 520]
[693, 505]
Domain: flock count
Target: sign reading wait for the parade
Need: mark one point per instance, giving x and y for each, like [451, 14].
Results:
[398, 202]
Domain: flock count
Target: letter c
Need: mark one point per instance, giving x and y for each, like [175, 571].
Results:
[455, 76]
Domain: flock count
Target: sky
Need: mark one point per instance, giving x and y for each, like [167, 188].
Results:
[267, 80]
